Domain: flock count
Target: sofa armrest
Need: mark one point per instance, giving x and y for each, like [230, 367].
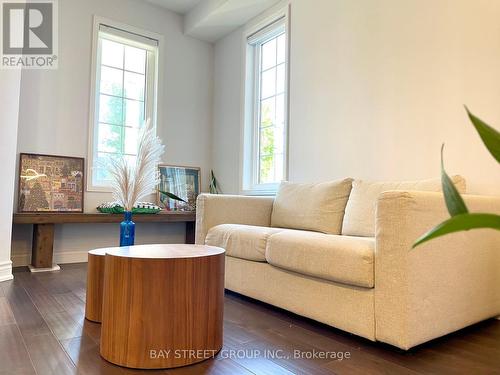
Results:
[212, 210]
[442, 285]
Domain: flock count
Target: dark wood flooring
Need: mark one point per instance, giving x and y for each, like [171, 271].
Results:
[43, 331]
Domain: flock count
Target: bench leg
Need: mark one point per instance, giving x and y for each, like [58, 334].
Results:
[42, 249]
[190, 232]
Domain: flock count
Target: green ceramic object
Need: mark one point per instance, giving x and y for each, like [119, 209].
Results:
[139, 208]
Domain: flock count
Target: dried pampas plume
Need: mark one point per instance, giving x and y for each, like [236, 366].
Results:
[130, 183]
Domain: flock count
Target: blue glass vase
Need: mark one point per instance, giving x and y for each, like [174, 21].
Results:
[127, 230]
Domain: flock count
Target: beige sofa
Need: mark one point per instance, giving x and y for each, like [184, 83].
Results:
[365, 279]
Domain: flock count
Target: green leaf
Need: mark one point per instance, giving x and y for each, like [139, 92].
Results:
[213, 187]
[454, 201]
[489, 135]
[460, 223]
[172, 196]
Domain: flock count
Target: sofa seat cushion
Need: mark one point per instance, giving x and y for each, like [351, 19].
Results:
[241, 241]
[344, 259]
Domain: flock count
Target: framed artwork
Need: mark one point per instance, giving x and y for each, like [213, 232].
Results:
[49, 183]
[183, 182]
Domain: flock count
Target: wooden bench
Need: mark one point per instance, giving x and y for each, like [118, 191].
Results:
[43, 228]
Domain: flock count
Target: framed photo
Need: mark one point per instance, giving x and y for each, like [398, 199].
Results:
[183, 182]
[49, 183]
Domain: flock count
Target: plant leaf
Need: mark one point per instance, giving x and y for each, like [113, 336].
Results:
[213, 188]
[454, 201]
[459, 223]
[172, 196]
[489, 135]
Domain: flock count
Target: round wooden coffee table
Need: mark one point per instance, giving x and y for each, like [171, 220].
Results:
[162, 305]
[95, 281]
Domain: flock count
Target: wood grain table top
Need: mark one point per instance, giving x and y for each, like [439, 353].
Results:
[98, 252]
[164, 251]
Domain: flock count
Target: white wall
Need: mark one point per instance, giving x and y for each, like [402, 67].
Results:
[226, 130]
[54, 111]
[10, 81]
[376, 87]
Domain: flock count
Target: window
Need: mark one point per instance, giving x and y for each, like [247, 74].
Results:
[124, 96]
[266, 109]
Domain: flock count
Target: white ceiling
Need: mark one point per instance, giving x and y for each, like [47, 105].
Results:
[178, 6]
[211, 20]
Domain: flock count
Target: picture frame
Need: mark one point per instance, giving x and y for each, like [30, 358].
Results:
[181, 181]
[51, 183]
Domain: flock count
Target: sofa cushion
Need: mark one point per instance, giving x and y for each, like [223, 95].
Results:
[241, 241]
[343, 259]
[317, 207]
[359, 218]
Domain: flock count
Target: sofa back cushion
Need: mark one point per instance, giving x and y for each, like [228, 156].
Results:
[359, 219]
[316, 207]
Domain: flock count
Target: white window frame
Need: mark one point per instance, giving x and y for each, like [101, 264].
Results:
[253, 37]
[150, 96]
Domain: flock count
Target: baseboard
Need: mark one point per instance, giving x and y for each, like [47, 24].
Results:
[71, 257]
[6, 271]
[24, 259]
[19, 260]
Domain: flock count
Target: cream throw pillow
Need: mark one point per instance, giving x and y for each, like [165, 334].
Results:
[317, 207]
[359, 219]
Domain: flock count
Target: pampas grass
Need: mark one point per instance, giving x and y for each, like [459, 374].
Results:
[131, 183]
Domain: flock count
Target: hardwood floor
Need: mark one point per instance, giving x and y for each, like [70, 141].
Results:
[43, 331]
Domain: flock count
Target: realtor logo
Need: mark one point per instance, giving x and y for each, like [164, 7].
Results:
[29, 34]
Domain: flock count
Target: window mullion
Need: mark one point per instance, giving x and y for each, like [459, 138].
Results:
[275, 164]
[122, 130]
[257, 103]
[146, 90]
